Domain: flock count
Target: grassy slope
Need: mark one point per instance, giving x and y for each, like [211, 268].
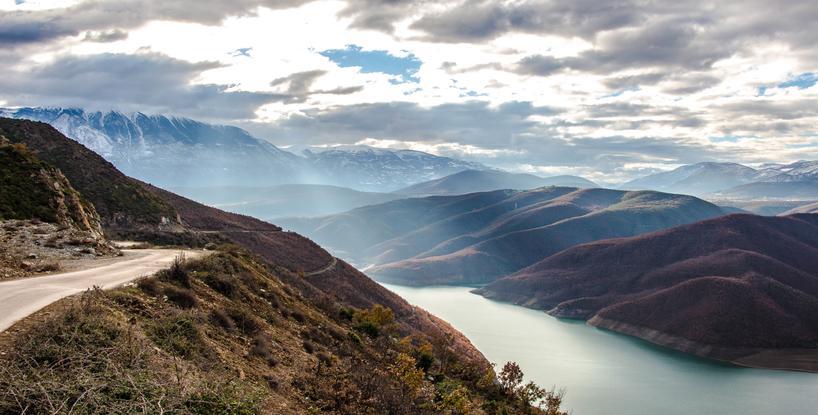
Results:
[225, 334]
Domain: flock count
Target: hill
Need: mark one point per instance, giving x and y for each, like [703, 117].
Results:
[475, 238]
[696, 179]
[808, 208]
[727, 288]
[32, 189]
[806, 189]
[120, 201]
[284, 200]
[381, 170]
[267, 311]
[472, 181]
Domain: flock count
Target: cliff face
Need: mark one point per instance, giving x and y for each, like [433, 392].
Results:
[32, 189]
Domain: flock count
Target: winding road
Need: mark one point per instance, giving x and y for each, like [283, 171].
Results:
[23, 297]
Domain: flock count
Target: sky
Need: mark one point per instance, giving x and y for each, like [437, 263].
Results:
[609, 90]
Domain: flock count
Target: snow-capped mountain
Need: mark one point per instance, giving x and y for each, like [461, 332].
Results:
[383, 169]
[180, 152]
[696, 179]
[170, 151]
[795, 181]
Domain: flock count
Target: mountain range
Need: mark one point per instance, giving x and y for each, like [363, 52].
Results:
[472, 181]
[478, 237]
[267, 307]
[731, 181]
[180, 152]
[728, 288]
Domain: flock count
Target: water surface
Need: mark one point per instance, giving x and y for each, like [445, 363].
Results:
[612, 374]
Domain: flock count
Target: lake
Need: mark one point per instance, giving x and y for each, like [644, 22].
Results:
[612, 374]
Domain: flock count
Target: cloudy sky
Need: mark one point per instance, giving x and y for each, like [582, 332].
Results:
[605, 89]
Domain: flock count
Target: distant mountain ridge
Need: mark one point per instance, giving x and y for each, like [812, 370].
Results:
[478, 237]
[180, 152]
[797, 180]
[472, 181]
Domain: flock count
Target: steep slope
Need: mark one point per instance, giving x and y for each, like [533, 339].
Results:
[227, 334]
[471, 181]
[120, 201]
[696, 179]
[480, 236]
[381, 170]
[726, 288]
[284, 200]
[32, 189]
[296, 259]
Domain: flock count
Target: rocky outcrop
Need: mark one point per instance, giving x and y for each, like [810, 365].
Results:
[32, 189]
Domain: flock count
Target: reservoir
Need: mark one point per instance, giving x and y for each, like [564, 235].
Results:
[605, 373]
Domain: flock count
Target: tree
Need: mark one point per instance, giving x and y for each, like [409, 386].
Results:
[511, 377]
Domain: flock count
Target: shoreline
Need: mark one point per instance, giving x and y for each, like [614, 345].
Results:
[795, 360]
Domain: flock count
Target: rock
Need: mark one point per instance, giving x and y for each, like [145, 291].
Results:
[31, 256]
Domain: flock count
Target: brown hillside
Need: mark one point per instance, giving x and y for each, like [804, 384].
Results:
[733, 284]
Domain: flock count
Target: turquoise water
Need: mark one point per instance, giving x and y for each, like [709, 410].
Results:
[612, 374]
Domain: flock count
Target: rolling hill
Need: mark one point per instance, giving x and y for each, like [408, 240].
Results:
[478, 237]
[727, 288]
[284, 200]
[806, 189]
[808, 208]
[189, 222]
[696, 179]
[472, 181]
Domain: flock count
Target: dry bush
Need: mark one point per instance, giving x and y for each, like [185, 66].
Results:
[182, 297]
[49, 267]
[84, 360]
[263, 348]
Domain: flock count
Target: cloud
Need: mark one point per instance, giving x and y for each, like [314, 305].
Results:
[485, 20]
[32, 26]
[299, 86]
[472, 122]
[149, 82]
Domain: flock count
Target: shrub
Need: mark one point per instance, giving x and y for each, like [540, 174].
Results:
[245, 322]
[222, 319]
[182, 297]
[149, 285]
[263, 348]
[178, 335]
[49, 267]
[308, 346]
[224, 285]
[177, 273]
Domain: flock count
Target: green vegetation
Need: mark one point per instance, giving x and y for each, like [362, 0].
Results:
[24, 192]
[117, 198]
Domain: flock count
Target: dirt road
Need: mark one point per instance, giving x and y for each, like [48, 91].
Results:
[23, 297]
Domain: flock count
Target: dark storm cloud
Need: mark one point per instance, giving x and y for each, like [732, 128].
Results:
[151, 82]
[483, 20]
[471, 122]
[31, 26]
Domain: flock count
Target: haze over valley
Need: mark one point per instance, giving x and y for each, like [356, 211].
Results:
[533, 207]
